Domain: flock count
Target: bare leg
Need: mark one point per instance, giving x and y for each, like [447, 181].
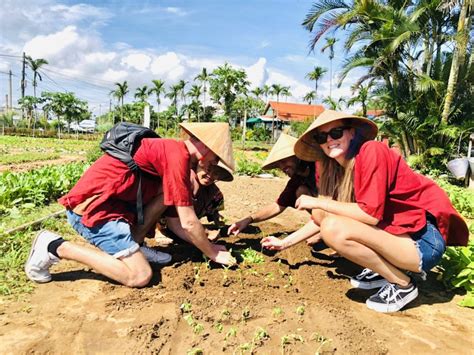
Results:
[153, 211]
[131, 271]
[372, 247]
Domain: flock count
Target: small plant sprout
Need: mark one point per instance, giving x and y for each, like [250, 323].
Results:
[244, 347]
[269, 277]
[207, 262]
[277, 311]
[245, 314]
[321, 339]
[197, 276]
[218, 327]
[198, 328]
[186, 307]
[260, 335]
[300, 310]
[251, 256]
[195, 351]
[225, 314]
[232, 332]
[289, 282]
[189, 319]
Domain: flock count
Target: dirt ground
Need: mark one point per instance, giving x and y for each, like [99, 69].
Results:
[301, 298]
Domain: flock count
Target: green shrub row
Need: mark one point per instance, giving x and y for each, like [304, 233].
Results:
[34, 188]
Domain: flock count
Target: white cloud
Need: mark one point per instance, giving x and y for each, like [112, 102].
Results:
[175, 11]
[257, 73]
[137, 61]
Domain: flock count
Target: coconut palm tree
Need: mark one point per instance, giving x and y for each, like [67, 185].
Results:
[158, 89]
[35, 65]
[257, 92]
[362, 97]
[120, 92]
[266, 91]
[203, 77]
[173, 94]
[330, 42]
[333, 104]
[315, 76]
[141, 93]
[310, 97]
[195, 94]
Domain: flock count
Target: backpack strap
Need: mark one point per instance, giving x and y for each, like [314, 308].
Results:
[140, 215]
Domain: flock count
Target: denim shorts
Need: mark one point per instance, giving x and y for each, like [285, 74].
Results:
[430, 245]
[113, 237]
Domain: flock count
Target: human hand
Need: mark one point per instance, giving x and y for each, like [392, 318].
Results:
[239, 226]
[222, 256]
[273, 243]
[305, 202]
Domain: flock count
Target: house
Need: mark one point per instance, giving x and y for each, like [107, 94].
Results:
[288, 112]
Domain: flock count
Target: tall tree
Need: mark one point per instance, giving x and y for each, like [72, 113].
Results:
[330, 42]
[315, 76]
[266, 91]
[120, 92]
[310, 97]
[173, 94]
[195, 94]
[141, 93]
[459, 56]
[362, 97]
[158, 89]
[35, 65]
[257, 92]
[203, 77]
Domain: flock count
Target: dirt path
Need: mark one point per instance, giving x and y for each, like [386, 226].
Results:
[21, 167]
[83, 313]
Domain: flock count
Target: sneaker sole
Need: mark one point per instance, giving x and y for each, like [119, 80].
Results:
[384, 308]
[368, 285]
[162, 262]
[27, 270]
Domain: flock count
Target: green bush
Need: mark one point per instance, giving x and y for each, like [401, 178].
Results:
[461, 198]
[457, 268]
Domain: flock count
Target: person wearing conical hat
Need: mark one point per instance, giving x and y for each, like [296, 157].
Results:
[302, 182]
[208, 200]
[101, 207]
[381, 215]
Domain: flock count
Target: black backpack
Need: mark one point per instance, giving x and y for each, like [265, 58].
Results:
[121, 142]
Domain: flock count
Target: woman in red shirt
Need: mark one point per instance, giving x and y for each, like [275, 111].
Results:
[377, 212]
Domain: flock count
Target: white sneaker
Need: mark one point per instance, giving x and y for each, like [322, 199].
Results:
[155, 256]
[40, 260]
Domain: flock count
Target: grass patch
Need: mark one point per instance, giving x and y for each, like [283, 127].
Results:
[27, 157]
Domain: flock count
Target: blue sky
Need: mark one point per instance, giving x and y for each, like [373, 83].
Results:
[92, 44]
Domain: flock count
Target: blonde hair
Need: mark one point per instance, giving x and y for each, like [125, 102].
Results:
[335, 181]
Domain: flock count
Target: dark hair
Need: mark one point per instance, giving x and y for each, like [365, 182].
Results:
[356, 141]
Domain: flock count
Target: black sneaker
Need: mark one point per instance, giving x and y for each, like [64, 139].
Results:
[392, 298]
[368, 280]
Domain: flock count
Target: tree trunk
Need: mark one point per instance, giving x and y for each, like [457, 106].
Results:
[459, 56]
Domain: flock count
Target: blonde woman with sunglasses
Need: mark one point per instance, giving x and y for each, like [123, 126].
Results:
[378, 212]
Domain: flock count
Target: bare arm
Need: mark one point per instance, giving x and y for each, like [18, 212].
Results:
[267, 212]
[308, 230]
[196, 234]
[347, 209]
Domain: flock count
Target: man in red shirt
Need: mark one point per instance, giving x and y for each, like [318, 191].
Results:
[101, 206]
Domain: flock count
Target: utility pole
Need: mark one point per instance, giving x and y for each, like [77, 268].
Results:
[11, 100]
[23, 76]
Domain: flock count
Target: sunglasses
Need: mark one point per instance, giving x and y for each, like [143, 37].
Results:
[335, 133]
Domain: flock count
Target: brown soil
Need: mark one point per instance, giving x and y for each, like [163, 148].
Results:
[81, 312]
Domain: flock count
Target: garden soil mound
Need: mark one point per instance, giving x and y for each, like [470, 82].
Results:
[297, 302]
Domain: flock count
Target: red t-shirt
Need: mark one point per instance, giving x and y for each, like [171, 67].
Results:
[386, 188]
[165, 162]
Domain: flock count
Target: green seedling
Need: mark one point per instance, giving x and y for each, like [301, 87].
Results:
[207, 262]
[289, 282]
[300, 310]
[251, 256]
[270, 277]
[225, 314]
[189, 319]
[197, 276]
[218, 327]
[245, 314]
[321, 339]
[198, 328]
[231, 333]
[260, 335]
[185, 307]
[277, 311]
[244, 347]
[196, 351]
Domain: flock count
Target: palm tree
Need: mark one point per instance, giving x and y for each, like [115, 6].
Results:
[141, 93]
[330, 42]
[257, 92]
[158, 89]
[195, 93]
[315, 75]
[286, 92]
[35, 65]
[181, 85]
[277, 90]
[173, 93]
[459, 56]
[362, 97]
[120, 92]
[333, 104]
[266, 91]
[203, 78]
[309, 97]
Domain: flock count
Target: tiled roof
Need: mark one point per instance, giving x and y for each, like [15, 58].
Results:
[375, 113]
[293, 112]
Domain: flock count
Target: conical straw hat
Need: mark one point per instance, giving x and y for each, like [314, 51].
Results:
[221, 172]
[215, 136]
[306, 148]
[282, 149]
